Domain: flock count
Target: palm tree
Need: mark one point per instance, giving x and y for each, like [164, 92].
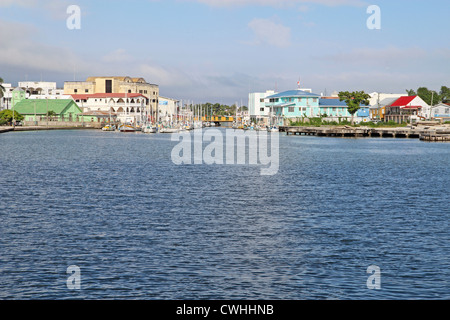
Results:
[2, 89]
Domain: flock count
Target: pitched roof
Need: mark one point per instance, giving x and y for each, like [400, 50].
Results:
[294, 93]
[384, 103]
[403, 101]
[40, 105]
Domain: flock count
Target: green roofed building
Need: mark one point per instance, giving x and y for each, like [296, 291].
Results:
[37, 109]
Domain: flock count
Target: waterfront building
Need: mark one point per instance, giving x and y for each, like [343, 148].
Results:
[41, 90]
[37, 109]
[257, 106]
[294, 104]
[168, 110]
[5, 101]
[128, 107]
[96, 85]
[336, 110]
[406, 108]
[377, 97]
[441, 111]
[378, 111]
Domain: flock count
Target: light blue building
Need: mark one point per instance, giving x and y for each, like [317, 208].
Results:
[335, 109]
[294, 104]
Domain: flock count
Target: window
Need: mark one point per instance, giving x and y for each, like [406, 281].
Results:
[315, 100]
[86, 91]
[108, 86]
[291, 109]
[129, 91]
[261, 100]
[140, 91]
[447, 110]
[75, 90]
[262, 109]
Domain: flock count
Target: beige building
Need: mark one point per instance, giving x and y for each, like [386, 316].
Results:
[95, 85]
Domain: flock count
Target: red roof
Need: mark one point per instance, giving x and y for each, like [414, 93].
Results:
[403, 101]
[106, 95]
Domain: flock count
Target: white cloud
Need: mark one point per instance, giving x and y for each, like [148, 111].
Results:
[118, 56]
[269, 32]
[57, 9]
[25, 53]
[376, 56]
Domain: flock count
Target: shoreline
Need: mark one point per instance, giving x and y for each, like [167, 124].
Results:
[42, 128]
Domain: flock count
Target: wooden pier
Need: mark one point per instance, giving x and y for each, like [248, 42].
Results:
[425, 133]
[435, 137]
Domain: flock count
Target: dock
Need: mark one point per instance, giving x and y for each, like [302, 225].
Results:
[423, 133]
[435, 137]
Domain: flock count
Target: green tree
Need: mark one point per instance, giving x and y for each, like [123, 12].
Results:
[354, 100]
[7, 116]
[445, 94]
[429, 96]
[411, 93]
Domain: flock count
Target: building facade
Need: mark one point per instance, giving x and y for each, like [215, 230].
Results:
[441, 112]
[405, 109]
[126, 107]
[168, 110]
[378, 110]
[37, 109]
[293, 104]
[96, 85]
[336, 110]
[258, 110]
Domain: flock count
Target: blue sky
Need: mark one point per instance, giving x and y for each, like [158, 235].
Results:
[220, 50]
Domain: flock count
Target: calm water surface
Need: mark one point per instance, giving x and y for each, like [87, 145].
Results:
[140, 227]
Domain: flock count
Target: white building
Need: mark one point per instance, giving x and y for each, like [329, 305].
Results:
[42, 90]
[257, 104]
[441, 111]
[129, 108]
[5, 101]
[168, 109]
[377, 97]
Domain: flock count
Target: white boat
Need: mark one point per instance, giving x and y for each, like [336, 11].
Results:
[149, 129]
[126, 128]
[273, 129]
[169, 130]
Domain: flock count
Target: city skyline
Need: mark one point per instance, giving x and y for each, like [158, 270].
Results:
[219, 51]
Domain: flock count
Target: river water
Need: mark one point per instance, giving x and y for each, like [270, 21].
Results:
[140, 227]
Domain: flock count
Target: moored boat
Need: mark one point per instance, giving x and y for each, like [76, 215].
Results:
[109, 128]
[126, 128]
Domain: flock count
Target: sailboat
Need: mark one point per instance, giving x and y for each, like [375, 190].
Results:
[272, 127]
